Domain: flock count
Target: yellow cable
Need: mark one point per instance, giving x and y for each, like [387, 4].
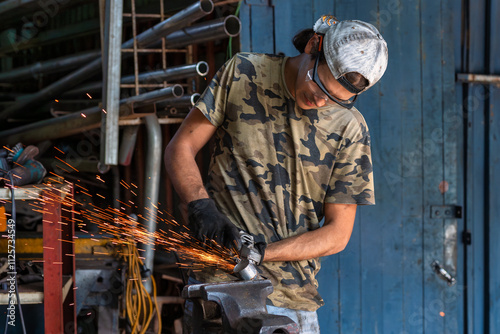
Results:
[140, 307]
[156, 304]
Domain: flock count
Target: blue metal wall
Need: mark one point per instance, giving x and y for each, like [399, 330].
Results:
[480, 47]
[383, 282]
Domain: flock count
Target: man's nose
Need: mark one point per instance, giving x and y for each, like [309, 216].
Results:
[320, 101]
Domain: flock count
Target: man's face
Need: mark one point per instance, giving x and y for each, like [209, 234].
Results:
[309, 94]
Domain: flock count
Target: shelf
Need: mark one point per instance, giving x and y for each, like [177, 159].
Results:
[32, 293]
[33, 192]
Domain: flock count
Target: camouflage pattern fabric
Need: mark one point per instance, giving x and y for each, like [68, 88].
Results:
[275, 165]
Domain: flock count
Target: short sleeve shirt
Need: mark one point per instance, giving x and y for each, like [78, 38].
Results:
[274, 165]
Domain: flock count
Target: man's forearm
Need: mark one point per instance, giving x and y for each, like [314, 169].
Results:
[184, 173]
[306, 246]
[330, 239]
[180, 154]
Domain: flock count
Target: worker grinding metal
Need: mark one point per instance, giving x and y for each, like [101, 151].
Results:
[290, 151]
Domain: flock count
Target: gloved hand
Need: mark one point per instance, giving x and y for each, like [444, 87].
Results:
[261, 248]
[207, 222]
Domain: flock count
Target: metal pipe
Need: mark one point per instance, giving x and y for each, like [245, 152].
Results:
[152, 186]
[9, 5]
[229, 26]
[156, 95]
[78, 122]
[479, 78]
[184, 101]
[172, 73]
[51, 66]
[177, 21]
[127, 145]
[111, 82]
[152, 35]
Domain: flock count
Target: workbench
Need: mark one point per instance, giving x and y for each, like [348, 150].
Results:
[57, 291]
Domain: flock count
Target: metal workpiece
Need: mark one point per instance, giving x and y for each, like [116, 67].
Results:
[241, 308]
[80, 121]
[246, 270]
[177, 21]
[152, 186]
[229, 26]
[48, 67]
[181, 19]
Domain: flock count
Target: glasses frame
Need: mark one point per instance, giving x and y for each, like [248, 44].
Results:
[317, 81]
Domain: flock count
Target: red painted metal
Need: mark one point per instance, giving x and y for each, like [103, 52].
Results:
[59, 262]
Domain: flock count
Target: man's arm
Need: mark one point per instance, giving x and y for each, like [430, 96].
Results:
[329, 239]
[194, 132]
[200, 212]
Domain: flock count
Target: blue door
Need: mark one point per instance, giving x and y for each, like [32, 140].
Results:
[404, 270]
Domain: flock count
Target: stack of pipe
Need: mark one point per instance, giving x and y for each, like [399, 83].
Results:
[176, 35]
[169, 74]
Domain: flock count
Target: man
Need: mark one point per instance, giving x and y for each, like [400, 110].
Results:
[290, 151]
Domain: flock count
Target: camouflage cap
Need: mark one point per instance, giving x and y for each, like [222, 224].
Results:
[353, 46]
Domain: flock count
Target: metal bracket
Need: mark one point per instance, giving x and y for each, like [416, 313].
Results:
[467, 237]
[446, 211]
[443, 273]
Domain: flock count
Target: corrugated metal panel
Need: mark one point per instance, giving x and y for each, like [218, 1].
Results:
[383, 281]
[494, 174]
[480, 102]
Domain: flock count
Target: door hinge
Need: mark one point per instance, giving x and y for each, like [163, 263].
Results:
[446, 211]
[467, 237]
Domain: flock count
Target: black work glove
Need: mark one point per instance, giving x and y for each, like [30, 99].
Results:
[206, 222]
[261, 248]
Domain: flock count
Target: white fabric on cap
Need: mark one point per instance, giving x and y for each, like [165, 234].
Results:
[323, 23]
[353, 46]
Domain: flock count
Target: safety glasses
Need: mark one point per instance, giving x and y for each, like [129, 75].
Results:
[315, 78]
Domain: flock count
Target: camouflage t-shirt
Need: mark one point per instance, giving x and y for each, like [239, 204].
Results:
[275, 165]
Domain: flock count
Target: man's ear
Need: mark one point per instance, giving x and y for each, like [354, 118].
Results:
[312, 45]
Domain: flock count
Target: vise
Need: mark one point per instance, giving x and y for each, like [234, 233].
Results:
[235, 307]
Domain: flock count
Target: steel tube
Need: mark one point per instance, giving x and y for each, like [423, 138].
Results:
[172, 73]
[127, 145]
[152, 186]
[152, 35]
[179, 20]
[111, 83]
[156, 95]
[479, 78]
[49, 66]
[77, 122]
[184, 101]
[229, 26]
